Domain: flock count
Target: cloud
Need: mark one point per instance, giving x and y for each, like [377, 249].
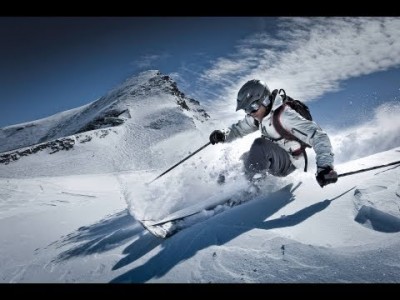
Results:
[306, 56]
[379, 134]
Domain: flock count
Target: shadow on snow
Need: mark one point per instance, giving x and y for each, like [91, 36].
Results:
[215, 231]
[107, 234]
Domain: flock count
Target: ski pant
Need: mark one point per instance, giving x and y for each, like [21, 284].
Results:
[266, 156]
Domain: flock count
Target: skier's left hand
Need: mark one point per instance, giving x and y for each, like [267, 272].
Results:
[217, 136]
[326, 175]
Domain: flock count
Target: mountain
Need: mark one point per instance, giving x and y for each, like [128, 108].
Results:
[107, 135]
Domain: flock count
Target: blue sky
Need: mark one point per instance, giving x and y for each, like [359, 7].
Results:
[343, 67]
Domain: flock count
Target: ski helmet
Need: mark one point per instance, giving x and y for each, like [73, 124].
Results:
[252, 92]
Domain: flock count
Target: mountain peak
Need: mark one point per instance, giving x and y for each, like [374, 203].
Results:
[145, 109]
[145, 83]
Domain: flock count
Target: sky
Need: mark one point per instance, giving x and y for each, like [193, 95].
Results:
[343, 67]
[52, 64]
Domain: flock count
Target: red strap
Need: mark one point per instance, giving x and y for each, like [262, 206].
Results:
[278, 125]
[288, 135]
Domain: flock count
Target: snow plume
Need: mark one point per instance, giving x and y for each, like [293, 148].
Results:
[149, 60]
[379, 134]
[306, 56]
[198, 177]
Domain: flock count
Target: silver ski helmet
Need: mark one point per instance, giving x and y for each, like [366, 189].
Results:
[252, 92]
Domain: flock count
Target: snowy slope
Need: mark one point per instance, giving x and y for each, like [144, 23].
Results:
[78, 229]
[30, 133]
[108, 135]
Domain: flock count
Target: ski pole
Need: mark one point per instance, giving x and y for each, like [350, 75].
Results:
[177, 164]
[368, 169]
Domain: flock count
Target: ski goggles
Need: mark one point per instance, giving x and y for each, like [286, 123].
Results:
[253, 107]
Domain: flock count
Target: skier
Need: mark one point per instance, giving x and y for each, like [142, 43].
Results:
[273, 153]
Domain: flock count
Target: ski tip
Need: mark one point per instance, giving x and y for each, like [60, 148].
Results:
[159, 231]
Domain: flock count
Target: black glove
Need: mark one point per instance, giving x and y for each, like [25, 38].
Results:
[217, 136]
[326, 175]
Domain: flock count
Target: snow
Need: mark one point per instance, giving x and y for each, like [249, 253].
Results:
[72, 216]
[78, 229]
[376, 135]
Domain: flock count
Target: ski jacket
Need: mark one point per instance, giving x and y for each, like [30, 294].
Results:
[306, 131]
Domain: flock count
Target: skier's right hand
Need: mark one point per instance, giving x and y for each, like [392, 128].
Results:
[326, 175]
[217, 136]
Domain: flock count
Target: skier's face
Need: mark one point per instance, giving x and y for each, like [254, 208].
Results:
[260, 113]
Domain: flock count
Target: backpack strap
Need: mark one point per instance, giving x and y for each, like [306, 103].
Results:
[271, 98]
[284, 94]
[288, 136]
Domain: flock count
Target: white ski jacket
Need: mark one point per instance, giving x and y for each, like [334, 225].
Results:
[306, 131]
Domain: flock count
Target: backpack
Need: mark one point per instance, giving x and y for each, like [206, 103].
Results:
[299, 107]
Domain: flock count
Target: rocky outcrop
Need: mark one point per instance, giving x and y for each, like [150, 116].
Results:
[109, 119]
[62, 144]
[53, 147]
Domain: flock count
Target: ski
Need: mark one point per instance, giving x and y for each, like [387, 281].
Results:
[189, 216]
